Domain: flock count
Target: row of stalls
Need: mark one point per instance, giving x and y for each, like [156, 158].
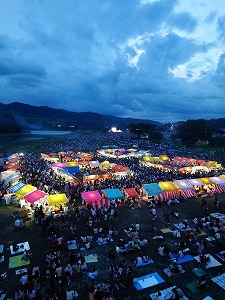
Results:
[163, 191]
[30, 197]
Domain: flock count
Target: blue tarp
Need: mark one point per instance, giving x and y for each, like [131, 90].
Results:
[16, 187]
[72, 170]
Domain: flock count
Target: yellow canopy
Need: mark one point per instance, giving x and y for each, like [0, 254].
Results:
[222, 176]
[206, 180]
[152, 159]
[168, 186]
[57, 199]
[164, 157]
[106, 162]
[25, 190]
[72, 164]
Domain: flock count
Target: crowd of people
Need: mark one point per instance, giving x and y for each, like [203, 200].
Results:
[88, 226]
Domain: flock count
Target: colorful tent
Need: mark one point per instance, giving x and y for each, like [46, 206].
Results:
[195, 182]
[16, 187]
[34, 196]
[57, 199]
[219, 184]
[72, 170]
[152, 189]
[131, 193]
[187, 190]
[206, 181]
[14, 177]
[170, 190]
[25, 190]
[113, 194]
[59, 165]
[120, 168]
[94, 199]
[94, 163]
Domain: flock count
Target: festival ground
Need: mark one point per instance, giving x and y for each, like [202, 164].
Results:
[187, 209]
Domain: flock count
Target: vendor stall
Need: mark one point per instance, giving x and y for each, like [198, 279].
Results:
[25, 190]
[208, 185]
[131, 193]
[170, 190]
[94, 199]
[57, 203]
[113, 194]
[152, 189]
[35, 196]
[219, 184]
[187, 190]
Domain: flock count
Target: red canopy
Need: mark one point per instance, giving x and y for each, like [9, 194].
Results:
[131, 193]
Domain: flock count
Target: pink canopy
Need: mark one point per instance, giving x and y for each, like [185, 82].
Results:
[91, 196]
[34, 196]
[59, 165]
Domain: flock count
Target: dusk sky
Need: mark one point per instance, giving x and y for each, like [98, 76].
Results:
[149, 59]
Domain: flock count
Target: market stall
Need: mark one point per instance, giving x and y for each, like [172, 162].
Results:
[152, 190]
[113, 194]
[170, 190]
[219, 184]
[94, 199]
[197, 184]
[187, 190]
[208, 185]
[25, 190]
[131, 193]
[57, 203]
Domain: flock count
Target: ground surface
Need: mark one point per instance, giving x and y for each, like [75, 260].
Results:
[38, 242]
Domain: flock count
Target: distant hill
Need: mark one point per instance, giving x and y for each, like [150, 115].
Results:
[29, 117]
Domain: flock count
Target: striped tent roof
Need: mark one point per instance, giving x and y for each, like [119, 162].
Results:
[16, 187]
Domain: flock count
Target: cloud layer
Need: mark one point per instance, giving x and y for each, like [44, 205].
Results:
[161, 60]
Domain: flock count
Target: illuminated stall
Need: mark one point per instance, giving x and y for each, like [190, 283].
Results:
[170, 190]
[187, 190]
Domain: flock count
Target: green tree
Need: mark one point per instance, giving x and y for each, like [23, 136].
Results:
[193, 131]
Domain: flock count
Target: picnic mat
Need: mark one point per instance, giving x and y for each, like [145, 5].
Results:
[181, 225]
[21, 271]
[72, 245]
[198, 271]
[16, 261]
[220, 255]
[146, 281]
[180, 260]
[91, 258]
[144, 263]
[165, 230]
[166, 294]
[22, 247]
[220, 280]
[168, 273]
[192, 287]
[212, 263]
[201, 233]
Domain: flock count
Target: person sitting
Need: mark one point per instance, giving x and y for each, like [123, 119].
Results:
[161, 250]
[26, 255]
[88, 245]
[142, 243]
[176, 233]
[100, 240]
[159, 296]
[138, 261]
[93, 275]
[145, 258]
[3, 276]
[95, 230]
[202, 283]
[84, 239]
[204, 259]
[185, 224]
[19, 223]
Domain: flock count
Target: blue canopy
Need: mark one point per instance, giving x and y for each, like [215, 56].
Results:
[113, 194]
[16, 187]
[152, 189]
[72, 170]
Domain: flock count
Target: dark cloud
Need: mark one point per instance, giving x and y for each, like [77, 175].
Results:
[111, 57]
